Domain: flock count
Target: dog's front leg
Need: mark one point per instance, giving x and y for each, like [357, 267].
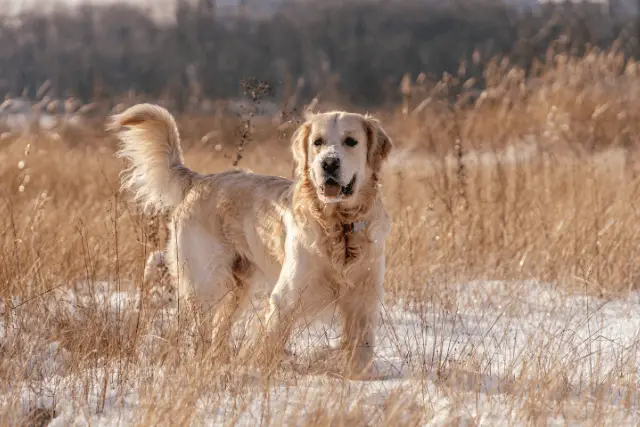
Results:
[267, 348]
[283, 312]
[360, 312]
[285, 303]
[358, 336]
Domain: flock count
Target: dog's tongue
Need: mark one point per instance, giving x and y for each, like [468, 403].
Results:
[332, 190]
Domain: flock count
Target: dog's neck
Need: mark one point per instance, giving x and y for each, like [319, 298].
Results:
[338, 224]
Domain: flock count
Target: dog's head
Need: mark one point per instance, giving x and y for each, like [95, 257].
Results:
[340, 154]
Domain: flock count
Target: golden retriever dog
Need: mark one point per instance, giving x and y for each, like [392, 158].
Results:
[318, 241]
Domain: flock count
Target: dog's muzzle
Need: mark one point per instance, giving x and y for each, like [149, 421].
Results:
[333, 189]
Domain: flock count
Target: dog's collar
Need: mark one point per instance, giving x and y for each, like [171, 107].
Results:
[355, 227]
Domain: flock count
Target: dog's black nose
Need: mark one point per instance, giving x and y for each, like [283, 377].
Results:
[330, 165]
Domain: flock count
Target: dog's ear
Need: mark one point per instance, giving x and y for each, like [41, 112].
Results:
[379, 144]
[300, 149]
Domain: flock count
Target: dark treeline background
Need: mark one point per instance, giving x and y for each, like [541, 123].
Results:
[357, 49]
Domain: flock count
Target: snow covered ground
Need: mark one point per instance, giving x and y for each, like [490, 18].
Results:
[490, 353]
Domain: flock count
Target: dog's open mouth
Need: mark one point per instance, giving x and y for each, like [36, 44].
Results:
[333, 189]
[347, 190]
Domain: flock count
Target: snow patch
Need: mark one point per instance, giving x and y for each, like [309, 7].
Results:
[485, 350]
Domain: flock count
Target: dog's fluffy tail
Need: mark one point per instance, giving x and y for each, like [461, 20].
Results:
[150, 141]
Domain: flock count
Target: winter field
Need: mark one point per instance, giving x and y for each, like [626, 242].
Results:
[512, 291]
[508, 353]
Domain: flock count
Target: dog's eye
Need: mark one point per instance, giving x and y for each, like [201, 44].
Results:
[318, 142]
[350, 142]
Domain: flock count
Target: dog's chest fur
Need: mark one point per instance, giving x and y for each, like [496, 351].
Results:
[353, 240]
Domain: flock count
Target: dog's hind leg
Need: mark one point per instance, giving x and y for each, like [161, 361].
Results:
[214, 277]
[231, 304]
[216, 314]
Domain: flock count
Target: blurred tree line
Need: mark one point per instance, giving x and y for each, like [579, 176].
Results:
[357, 51]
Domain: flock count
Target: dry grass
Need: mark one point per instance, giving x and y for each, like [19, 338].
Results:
[532, 184]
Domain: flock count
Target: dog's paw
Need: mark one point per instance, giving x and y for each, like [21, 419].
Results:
[265, 359]
[339, 363]
[368, 373]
